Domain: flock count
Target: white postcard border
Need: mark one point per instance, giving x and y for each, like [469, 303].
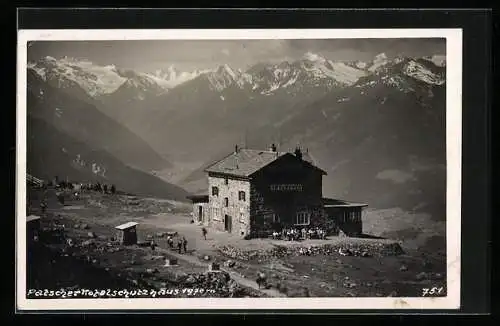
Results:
[454, 172]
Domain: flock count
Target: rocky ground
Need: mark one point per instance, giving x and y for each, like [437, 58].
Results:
[77, 249]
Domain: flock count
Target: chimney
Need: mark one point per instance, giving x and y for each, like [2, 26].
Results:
[298, 153]
[236, 150]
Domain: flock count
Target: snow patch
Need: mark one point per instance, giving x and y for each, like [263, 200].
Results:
[361, 65]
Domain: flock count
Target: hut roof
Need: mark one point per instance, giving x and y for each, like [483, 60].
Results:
[331, 202]
[198, 198]
[246, 162]
[127, 225]
[31, 218]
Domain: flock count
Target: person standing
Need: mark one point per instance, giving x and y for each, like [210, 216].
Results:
[184, 244]
[204, 232]
[179, 246]
[170, 242]
[43, 206]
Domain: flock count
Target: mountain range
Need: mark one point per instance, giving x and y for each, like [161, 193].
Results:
[376, 127]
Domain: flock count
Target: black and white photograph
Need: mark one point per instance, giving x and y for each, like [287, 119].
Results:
[254, 168]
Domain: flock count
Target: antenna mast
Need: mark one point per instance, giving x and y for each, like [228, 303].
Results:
[245, 139]
[279, 139]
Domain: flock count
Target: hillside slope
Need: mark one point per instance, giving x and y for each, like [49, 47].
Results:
[67, 110]
[51, 152]
[383, 143]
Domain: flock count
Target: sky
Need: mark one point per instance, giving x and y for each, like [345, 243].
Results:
[149, 55]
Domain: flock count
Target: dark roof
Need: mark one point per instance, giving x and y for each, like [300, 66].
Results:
[248, 161]
[331, 202]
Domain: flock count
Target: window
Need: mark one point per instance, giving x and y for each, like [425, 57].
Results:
[215, 213]
[276, 218]
[226, 202]
[241, 196]
[242, 217]
[271, 217]
[226, 181]
[215, 191]
[303, 218]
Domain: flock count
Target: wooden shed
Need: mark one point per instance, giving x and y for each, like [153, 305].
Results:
[345, 216]
[126, 234]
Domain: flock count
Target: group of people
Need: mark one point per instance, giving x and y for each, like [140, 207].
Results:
[104, 188]
[180, 245]
[294, 234]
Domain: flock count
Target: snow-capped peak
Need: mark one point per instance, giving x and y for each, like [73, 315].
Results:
[94, 79]
[224, 76]
[225, 69]
[380, 60]
[171, 76]
[313, 57]
[420, 72]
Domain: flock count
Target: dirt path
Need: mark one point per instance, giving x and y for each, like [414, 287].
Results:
[234, 275]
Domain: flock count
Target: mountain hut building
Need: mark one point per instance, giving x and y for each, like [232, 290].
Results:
[253, 193]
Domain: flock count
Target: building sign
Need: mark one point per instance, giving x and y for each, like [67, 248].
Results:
[286, 187]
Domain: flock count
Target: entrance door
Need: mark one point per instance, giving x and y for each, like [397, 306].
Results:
[228, 223]
[200, 213]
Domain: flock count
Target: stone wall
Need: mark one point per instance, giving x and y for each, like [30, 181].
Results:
[238, 210]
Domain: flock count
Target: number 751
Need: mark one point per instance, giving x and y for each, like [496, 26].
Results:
[432, 291]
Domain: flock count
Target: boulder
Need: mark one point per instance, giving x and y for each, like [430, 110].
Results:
[229, 263]
[421, 276]
[171, 262]
[87, 243]
[214, 267]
